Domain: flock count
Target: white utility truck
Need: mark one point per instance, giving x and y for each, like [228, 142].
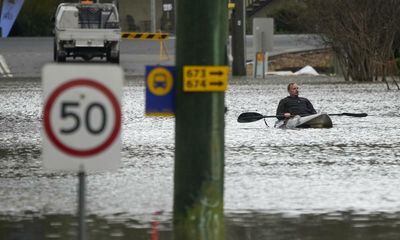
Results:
[87, 30]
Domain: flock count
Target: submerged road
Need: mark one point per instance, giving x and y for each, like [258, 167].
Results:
[25, 57]
[338, 183]
[335, 184]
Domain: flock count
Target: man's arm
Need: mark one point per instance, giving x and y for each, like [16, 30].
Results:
[311, 107]
[281, 109]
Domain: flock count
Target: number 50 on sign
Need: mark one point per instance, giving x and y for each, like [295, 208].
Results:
[81, 117]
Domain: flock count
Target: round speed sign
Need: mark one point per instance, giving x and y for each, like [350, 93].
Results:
[82, 117]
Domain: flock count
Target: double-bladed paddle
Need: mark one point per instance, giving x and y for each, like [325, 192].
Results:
[254, 116]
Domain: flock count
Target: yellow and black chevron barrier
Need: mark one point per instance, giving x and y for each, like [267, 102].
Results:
[144, 35]
[150, 36]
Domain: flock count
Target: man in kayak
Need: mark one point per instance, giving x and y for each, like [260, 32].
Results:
[293, 105]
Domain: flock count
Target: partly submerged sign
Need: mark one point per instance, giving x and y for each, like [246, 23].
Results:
[9, 13]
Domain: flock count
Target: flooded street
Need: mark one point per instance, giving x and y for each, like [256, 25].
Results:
[338, 183]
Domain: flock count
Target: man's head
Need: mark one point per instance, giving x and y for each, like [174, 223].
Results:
[293, 89]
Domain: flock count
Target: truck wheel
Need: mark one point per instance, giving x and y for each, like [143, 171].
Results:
[114, 59]
[108, 56]
[55, 51]
[60, 57]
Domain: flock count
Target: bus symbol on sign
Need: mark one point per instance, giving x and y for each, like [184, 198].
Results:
[160, 80]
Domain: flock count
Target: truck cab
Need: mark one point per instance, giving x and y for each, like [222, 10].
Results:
[87, 30]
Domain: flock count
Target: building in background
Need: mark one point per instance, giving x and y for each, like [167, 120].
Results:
[136, 16]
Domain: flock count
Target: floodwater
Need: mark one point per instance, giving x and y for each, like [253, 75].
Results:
[339, 183]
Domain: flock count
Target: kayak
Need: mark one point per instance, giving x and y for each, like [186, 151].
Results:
[319, 120]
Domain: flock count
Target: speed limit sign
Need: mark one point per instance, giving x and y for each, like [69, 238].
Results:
[81, 117]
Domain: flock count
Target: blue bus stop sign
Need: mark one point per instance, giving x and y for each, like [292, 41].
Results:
[160, 90]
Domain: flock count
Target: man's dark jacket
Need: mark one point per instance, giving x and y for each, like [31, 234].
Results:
[295, 106]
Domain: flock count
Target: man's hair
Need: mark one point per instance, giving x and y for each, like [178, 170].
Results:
[289, 85]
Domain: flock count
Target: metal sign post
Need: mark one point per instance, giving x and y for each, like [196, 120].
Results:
[263, 32]
[81, 205]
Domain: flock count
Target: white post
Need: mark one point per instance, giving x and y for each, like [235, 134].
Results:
[153, 15]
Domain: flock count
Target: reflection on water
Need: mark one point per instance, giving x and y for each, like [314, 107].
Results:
[239, 226]
[339, 183]
[65, 227]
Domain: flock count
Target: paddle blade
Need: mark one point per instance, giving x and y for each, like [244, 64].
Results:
[354, 114]
[249, 117]
[349, 114]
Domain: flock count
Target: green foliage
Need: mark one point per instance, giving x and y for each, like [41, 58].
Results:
[287, 17]
[362, 33]
[35, 18]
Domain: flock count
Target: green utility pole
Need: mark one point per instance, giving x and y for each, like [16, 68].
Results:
[239, 39]
[201, 40]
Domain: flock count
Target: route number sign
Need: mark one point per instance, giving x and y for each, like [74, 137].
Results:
[205, 78]
[81, 117]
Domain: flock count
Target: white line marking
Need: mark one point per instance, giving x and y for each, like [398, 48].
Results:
[5, 71]
[1, 70]
[1, 67]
